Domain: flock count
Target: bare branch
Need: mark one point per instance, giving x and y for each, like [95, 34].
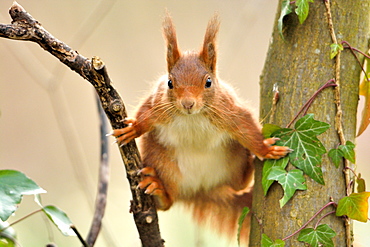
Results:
[25, 27]
[101, 197]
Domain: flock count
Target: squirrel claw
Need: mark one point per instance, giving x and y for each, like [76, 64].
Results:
[147, 171]
[153, 186]
[275, 152]
[151, 182]
[109, 134]
[271, 141]
[127, 134]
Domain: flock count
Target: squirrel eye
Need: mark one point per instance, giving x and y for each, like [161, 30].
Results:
[170, 84]
[208, 82]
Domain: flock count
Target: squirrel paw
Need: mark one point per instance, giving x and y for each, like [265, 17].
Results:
[126, 134]
[154, 186]
[275, 152]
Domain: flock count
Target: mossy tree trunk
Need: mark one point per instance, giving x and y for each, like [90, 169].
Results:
[299, 64]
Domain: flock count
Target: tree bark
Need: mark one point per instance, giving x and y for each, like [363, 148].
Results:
[299, 64]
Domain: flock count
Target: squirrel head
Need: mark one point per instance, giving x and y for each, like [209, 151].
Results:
[192, 79]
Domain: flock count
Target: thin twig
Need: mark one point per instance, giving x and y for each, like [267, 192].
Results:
[21, 219]
[353, 171]
[101, 197]
[307, 105]
[79, 236]
[310, 220]
[352, 49]
[322, 217]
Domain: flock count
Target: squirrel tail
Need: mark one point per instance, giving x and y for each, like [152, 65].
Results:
[222, 212]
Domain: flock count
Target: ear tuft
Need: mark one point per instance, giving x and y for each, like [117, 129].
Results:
[169, 33]
[208, 54]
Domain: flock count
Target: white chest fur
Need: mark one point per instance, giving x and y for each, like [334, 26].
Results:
[200, 151]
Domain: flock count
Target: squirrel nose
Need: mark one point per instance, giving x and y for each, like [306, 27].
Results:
[187, 103]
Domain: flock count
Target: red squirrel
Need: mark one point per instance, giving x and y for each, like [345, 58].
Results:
[198, 139]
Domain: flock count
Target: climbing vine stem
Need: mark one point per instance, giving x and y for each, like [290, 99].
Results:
[312, 218]
[338, 117]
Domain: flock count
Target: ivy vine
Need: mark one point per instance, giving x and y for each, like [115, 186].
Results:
[308, 150]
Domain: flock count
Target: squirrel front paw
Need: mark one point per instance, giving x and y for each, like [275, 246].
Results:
[274, 152]
[154, 186]
[127, 134]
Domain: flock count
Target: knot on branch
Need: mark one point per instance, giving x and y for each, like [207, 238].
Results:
[116, 106]
[147, 217]
[20, 15]
[101, 69]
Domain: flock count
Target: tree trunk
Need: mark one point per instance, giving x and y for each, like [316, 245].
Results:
[299, 64]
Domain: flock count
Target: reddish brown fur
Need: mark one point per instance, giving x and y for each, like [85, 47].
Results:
[221, 188]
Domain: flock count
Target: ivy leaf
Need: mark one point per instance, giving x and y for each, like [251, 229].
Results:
[321, 236]
[336, 156]
[302, 9]
[286, 9]
[269, 129]
[308, 150]
[60, 219]
[13, 185]
[355, 206]
[365, 91]
[267, 167]
[241, 221]
[348, 151]
[290, 181]
[334, 49]
[361, 186]
[267, 242]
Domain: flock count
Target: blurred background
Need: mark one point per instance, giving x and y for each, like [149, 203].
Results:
[49, 127]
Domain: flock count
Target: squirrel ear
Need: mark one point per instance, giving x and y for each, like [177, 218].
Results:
[208, 53]
[169, 32]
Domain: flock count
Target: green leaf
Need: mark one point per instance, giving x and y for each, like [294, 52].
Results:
[8, 236]
[336, 156]
[348, 151]
[60, 219]
[308, 150]
[302, 9]
[355, 206]
[269, 129]
[290, 181]
[321, 236]
[361, 186]
[13, 185]
[242, 217]
[267, 242]
[7, 242]
[286, 9]
[267, 167]
[334, 49]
